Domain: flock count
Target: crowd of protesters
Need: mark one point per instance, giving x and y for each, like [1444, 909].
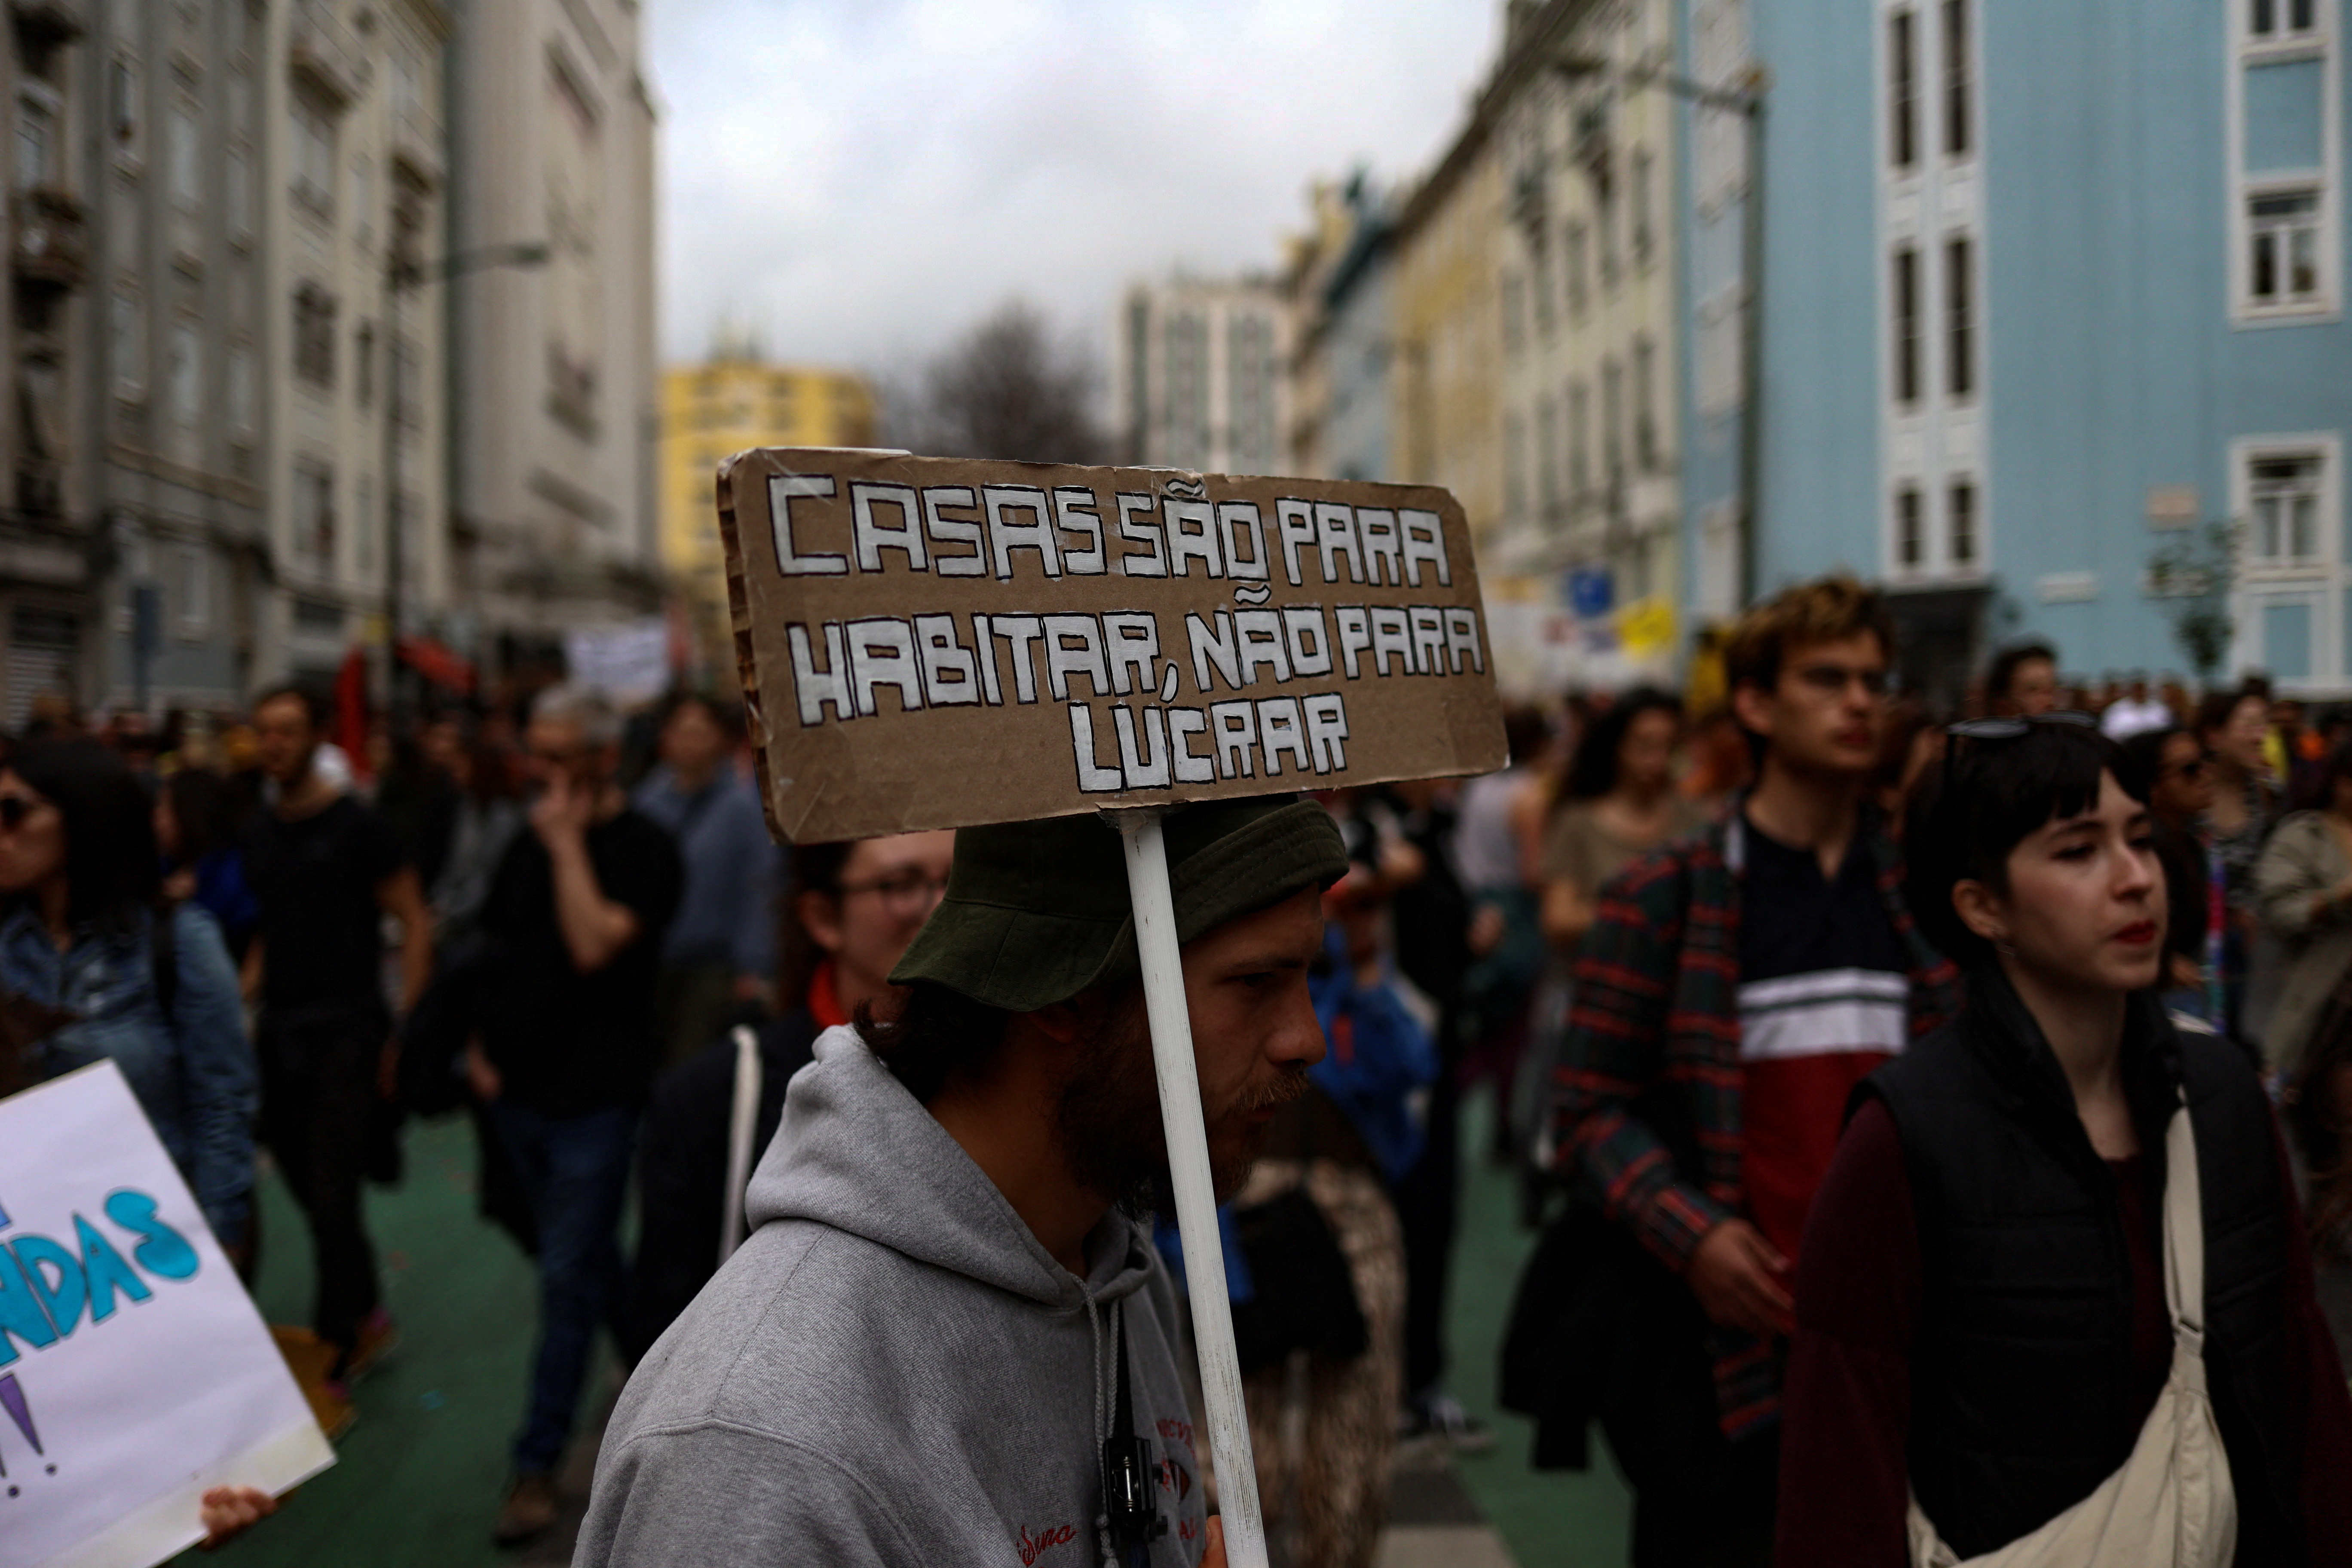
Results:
[1860, 1223]
[288, 945]
[1854, 1111]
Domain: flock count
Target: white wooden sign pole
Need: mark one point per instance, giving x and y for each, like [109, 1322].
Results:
[1196, 1198]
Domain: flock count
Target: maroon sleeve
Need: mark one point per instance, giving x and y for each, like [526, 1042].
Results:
[2327, 1481]
[1846, 1411]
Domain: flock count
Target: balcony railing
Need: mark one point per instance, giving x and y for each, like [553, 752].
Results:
[47, 23]
[52, 239]
[40, 486]
[320, 50]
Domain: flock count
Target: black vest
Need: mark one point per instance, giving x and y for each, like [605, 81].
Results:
[2021, 1385]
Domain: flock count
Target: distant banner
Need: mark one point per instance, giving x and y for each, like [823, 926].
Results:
[934, 642]
[630, 664]
[135, 1375]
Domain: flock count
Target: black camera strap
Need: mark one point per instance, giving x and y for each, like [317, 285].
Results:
[1131, 1479]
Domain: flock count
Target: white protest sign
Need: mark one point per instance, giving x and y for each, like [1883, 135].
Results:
[135, 1375]
[630, 663]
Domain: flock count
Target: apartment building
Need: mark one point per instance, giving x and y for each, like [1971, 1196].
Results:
[353, 188]
[1200, 375]
[731, 401]
[555, 522]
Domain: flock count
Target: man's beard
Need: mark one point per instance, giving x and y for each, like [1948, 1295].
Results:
[1108, 1118]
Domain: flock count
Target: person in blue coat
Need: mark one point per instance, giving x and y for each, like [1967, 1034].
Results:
[83, 936]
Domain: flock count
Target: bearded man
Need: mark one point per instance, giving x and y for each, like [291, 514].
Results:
[950, 1331]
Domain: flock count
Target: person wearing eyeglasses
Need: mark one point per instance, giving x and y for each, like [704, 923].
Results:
[567, 1052]
[852, 910]
[2055, 1302]
[1731, 991]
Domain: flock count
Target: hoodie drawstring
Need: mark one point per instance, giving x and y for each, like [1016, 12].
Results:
[1102, 1437]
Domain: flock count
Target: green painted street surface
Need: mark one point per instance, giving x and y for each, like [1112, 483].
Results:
[418, 1479]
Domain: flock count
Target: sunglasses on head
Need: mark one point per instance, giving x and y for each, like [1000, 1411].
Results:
[1984, 731]
[2011, 728]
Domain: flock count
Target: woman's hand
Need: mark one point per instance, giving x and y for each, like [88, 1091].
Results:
[1214, 1557]
[228, 1512]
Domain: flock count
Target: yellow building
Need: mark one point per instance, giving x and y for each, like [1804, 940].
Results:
[712, 410]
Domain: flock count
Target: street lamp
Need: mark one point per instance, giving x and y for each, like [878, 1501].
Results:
[401, 274]
[1744, 97]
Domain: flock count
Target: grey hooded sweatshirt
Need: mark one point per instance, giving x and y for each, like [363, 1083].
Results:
[892, 1369]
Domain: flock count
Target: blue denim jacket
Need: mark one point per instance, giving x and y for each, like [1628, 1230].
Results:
[194, 1077]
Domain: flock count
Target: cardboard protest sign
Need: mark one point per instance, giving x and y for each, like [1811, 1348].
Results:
[930, 642]
[134, 1373]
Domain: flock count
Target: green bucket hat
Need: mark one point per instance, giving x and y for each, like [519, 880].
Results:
[1037, 911]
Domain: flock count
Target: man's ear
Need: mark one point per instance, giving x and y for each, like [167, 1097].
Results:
[1751, 705]
[1059, 1023]
[820, 916]
[1979, 908]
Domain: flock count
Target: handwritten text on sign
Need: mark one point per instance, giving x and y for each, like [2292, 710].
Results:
[931, 643]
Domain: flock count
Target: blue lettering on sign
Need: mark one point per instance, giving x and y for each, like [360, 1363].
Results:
[107, 1272]
[62, 1297]
[21, 1318]
[165, 1251]
[47, 1287]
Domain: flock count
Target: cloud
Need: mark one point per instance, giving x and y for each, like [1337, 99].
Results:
[859, 180]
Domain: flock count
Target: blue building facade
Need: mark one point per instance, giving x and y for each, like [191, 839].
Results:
[2044, 287]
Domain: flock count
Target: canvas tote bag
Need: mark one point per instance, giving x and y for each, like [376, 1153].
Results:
[2171, 1505]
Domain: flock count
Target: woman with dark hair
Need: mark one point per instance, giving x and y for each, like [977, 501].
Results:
[82, 931]
[1617, 804]
[2055, 1303]
[198, 815]
[850, 910]
[2233, 726]
[2304, 883]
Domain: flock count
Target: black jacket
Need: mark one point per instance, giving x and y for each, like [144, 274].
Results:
[682, 1169]
[2021, 1399]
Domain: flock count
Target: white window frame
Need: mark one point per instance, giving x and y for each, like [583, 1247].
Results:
[1956, 72]
[1720, 55]
[2281, 30]
[2327, 445]
[1922, 561]
[126, 122]
[313, 159]
[186, 153]
[32, 93]
[2243, 50]
[1905, 147]
[240, 392]
[127, 350]
[238, 192]
[1953, 484]
[1639, 170]
[184, 366]
[195, 593]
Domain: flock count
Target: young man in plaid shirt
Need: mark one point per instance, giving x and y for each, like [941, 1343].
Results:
[1734, 989]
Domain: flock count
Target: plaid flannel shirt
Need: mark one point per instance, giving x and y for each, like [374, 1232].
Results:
[1654, 1026]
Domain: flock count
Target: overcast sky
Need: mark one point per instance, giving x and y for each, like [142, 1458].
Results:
[860, 180]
